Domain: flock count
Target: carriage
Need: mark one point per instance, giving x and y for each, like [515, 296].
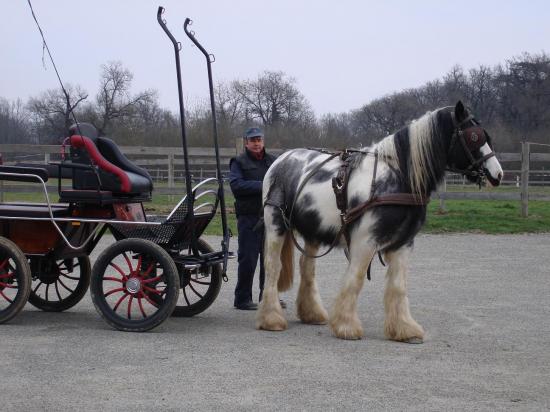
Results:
[158, 265]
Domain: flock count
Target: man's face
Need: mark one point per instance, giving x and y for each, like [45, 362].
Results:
[255, 144]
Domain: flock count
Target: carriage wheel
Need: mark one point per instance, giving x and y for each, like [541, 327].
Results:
[198, 290]
[126, 277]
[59, 285]
[15, 280]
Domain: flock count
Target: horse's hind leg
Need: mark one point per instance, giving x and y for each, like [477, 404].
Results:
[344, 322]
[270, 313]
[309, 306]
[399, 324]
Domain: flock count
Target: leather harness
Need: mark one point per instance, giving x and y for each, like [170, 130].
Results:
[340, 187]
[470, 139]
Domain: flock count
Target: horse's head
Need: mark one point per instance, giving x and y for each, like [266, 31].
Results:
[471, 151]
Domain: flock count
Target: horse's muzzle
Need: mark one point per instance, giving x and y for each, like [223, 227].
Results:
[494, 182]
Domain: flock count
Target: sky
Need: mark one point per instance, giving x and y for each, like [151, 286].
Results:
[342, 54]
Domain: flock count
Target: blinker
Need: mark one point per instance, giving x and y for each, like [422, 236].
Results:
[474, 137]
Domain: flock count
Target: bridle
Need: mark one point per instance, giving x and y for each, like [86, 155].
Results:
[470, 139]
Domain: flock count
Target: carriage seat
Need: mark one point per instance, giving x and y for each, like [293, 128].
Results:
[119, 177]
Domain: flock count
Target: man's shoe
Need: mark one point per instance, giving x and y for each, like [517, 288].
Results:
[247, 306]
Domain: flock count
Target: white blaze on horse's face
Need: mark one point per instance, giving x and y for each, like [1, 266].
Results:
[492, 167]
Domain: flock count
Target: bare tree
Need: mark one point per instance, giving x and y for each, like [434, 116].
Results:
[52, 111]
[113, 100]
[272, 99]
[14, 124]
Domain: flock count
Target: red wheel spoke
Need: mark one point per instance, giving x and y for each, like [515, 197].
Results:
[149, 269]
[156, 305]
[3, 264]
[130, 307]
[128, 262]
[194, 290]
[113, 291]
[138, 267]
[113, 279]
[5, 285]
[155, 279]
[156, 292]
[5, 297]
[141, 307]
[119, 270]
[120, 301]
[7, 275]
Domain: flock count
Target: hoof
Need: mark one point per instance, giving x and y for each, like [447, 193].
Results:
[319, 318]
[414, 341]
[273, 322]
[350, 331]
[408, 332]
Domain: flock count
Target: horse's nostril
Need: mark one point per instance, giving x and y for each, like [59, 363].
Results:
[499, 177]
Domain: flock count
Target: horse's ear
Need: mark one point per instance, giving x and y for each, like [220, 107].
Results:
[460, 112]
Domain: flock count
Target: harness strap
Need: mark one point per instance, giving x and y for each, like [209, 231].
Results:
[288, 222]
[400, 199]
[339, 185]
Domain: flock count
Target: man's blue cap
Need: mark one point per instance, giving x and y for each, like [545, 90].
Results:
[253, 132]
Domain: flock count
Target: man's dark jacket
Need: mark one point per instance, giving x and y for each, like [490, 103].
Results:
[245, 178]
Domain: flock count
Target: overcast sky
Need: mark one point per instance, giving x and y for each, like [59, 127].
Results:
[342, 53]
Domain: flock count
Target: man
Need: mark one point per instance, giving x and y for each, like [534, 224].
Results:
[246, 177]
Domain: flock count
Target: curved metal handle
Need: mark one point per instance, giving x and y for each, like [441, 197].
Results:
[191, 35]
[162, 23]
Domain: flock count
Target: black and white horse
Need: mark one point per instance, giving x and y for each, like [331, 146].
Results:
[412, 161]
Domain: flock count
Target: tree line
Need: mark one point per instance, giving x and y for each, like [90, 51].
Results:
[512, 99]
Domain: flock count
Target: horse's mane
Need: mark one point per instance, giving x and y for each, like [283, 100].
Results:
[414, 152]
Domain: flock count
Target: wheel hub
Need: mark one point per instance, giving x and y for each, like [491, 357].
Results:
[133, 285]
[47, 270]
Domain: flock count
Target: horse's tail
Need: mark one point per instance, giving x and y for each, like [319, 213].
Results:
[287, 259]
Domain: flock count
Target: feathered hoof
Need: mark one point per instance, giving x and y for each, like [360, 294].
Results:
[319, 317]
[405, 332]
[414, 341]
[272, 321]
[350, 331]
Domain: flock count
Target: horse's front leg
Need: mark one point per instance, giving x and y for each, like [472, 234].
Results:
[309, 306]
[399, 324]
[270, 313]
[344, 322]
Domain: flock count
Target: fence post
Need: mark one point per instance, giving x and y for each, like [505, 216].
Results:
[524, 179]
[1, 182]
[239, 145]
[442, 190]
[46, 158]
[171, 171]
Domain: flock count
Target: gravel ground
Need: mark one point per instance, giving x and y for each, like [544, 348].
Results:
[483, 301]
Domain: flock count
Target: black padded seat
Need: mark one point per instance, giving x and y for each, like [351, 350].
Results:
[117, 174]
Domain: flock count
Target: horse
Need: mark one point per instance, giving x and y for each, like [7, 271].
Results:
[388, 183]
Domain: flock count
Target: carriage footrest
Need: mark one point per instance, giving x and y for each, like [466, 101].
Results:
[208, 259]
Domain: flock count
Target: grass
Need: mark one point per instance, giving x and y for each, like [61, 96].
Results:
[487, 216]
[461, 216]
